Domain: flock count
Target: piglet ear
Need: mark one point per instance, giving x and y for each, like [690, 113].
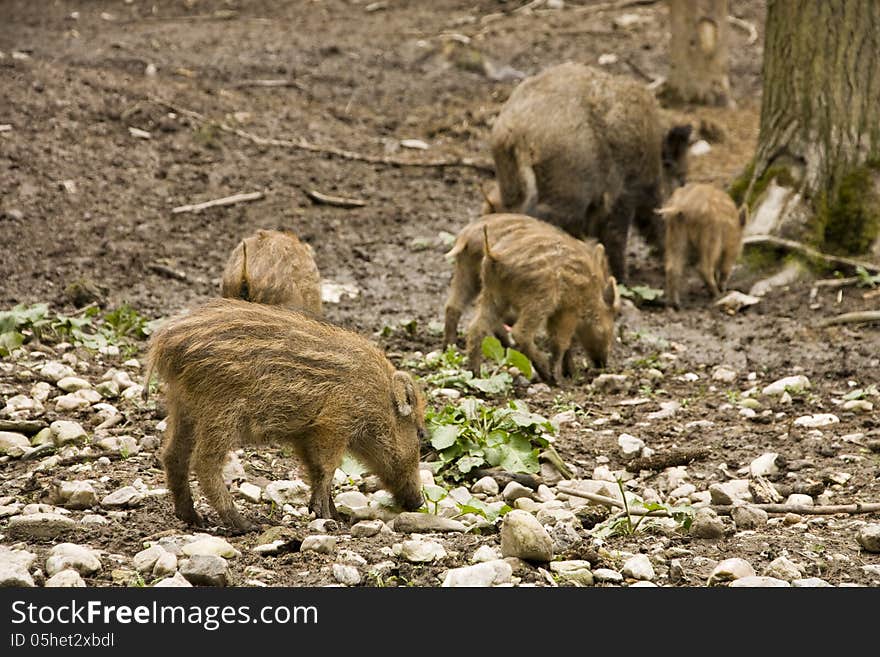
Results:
[611, 295]
[403, 391]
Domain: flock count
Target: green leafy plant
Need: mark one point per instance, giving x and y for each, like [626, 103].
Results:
[480, 508]
[627, 523]
[122, 327]
[447, 369]
[861, 393]
[640, 293]
[866, 279]
[470, 435]
[433, 496]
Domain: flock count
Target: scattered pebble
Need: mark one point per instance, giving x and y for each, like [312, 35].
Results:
[783, 568]
[756, 581]
[422, 551]
[795, 383]
[524, 537]
[80, 558]
[747, 516]
[514, 491]
[40, 525]
[205, 570]
[869, 537]
[211, 546]
[487, 573]
[707, 524]
[67, 578]
[345, 574]
[730, 569]
[638, 566]
[322, 544]
[576, 572]
[413, 522]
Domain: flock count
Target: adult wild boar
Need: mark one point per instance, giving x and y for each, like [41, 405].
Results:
[239, 373]
[584, 150]
[273, 267]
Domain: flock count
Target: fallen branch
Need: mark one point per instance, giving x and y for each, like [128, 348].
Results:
[835, 283]
[167, 272]
[270, 84]
[722, 509]
[612, 6]
[670, 459]
[746, 27]
[302, 144]
[818, 510]
[862, 317]
[338, 201]
[226, 200]
[810, 252]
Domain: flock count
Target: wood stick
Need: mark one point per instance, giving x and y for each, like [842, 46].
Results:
[747, 27]
[862, 317]
[270, 84]
[167, 272]
[835, 283]
[672, 458]
[338, 201]
[810, 252]
[721, 509]
[226, 200]
[302, 144]
[612, 6]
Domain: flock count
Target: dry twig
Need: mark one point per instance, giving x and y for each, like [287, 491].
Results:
[746, 27]
[862, 317]
[672, 458]
[338, 201]
[810, 252]
[302, 144]
[226, 200]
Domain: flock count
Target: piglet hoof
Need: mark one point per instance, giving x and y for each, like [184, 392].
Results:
[192, 519]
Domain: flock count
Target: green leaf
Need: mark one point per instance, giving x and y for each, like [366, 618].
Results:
[520, 362]
[443, 436]
[492, 349]
[467, 463]
[10, 341]
[518, 455]
[492, 385]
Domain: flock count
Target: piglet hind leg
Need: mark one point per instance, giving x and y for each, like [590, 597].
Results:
[179, 442]
[209, 457]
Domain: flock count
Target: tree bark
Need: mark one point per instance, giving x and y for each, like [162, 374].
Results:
[698, 68]
[815, 174]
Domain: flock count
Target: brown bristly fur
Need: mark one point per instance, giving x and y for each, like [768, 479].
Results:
[584, 149]
[468, 254]
[239, 373]
[546, 278]
[702, 227]
[273, 267]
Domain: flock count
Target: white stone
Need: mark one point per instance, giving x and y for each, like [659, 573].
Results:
[552, 516]
[608, 58]
[177, 580]
[132, 393]
[14, 444]
[684, 490]
[522, 536]
[348, 502]
[67, 578]
[422, 551]
[756, 581]
[795, 383]
[73, 383]
[250, 492]
[80, 558]
[810, 582]
[607, 575]
[108, 389]
[206, 570]
[700, 147]
[610, 382]
[723, 374]
[747, 517]
[783, 568]
[366, 528]
[77, 494]
[125, 497]
[730, 491]
[14, 567]
[485, 553]
[858, 406]
[40, 525]
[576, 572]
[345, 574]
[630, 446]
[817, 420]
[799, 499]
[514, 490]
[486, 485]
[764, 465]
[54, 371]
[22, 403]
[638, 566]
[730, 569]
[413, 522]
[319, 543]
[211, 546]
[124, 445]
[487, 573]
[869, 537]
[145, 559]
[41, 390]
[66, 431]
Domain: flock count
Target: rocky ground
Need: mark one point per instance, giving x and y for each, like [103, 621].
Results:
[767, 408]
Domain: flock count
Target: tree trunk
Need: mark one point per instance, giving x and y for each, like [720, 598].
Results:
[816, 173]
[698, 52]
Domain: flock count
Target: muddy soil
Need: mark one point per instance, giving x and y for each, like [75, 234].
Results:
[86, 196]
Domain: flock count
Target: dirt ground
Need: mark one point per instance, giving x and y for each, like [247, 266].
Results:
[84, 195]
